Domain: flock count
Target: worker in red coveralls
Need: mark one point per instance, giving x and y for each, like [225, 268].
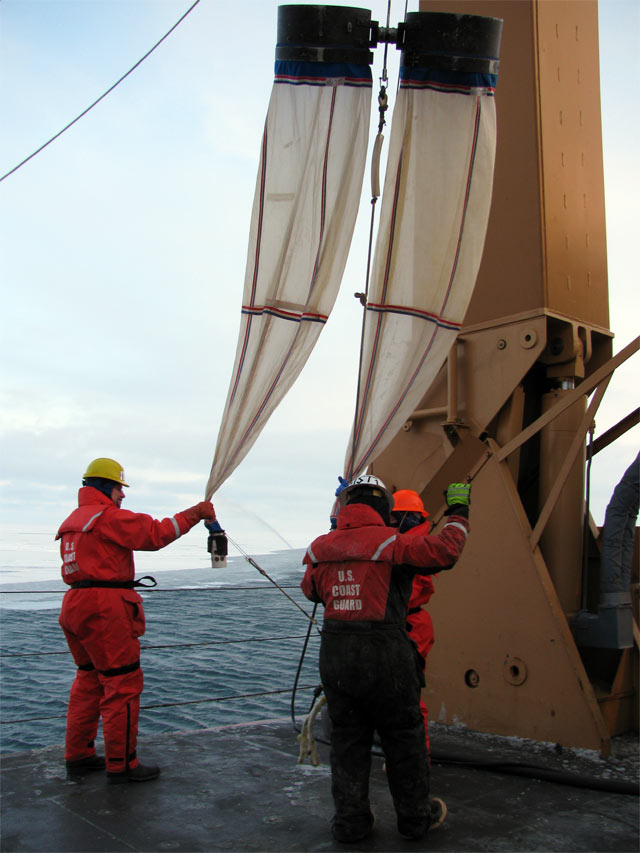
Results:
[102, 619]
[410, 517]
[362, 572]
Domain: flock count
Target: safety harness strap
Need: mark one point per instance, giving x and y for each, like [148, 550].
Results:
[115, 584]
[120, 670]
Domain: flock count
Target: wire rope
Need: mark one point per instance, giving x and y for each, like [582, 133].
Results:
[255, 565]
[169, 645]
[384, 77]
[155, 590]
[104, 95]
[171, 704]
[375, 194]
[225, 698]
[299, 669]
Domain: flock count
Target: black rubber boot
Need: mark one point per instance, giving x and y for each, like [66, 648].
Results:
[85, 765]
[413, 828]
[141, 773]
[352, 829]
[416, 828]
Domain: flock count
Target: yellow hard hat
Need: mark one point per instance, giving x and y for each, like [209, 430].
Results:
[108, 469]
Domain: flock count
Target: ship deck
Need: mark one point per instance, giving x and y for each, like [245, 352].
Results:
[241, 788]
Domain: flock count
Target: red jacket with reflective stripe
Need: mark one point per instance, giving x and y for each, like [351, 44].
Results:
[98, 538]
[423, 588]
[364, 570]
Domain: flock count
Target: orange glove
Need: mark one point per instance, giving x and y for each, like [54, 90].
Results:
[202, 510]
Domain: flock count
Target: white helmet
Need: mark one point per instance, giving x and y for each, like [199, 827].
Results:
[368, 483]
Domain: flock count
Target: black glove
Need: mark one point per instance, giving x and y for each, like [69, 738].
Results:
[458, 497]
[458, 509]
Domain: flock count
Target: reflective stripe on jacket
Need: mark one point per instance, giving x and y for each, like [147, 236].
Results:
[363, 571]
[98, 538]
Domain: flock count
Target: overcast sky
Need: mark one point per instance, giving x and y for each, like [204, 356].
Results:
[123, 257]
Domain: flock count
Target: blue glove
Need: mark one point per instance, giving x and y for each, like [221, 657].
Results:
[343, 485]
[213, 527]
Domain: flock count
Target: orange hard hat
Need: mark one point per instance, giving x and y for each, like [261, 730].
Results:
[406, 500]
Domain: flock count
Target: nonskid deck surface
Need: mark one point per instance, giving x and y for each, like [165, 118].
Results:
[241, 788]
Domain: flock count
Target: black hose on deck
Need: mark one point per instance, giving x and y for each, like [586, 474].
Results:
[298, 671]
[533, 771]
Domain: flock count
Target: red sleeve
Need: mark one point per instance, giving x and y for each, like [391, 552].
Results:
[308, 586]
[421, 591]
[431, 554]
[140, 532]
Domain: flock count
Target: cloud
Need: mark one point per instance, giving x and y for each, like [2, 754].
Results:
[124, 258]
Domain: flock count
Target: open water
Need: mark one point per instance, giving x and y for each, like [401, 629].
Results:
[222, 646]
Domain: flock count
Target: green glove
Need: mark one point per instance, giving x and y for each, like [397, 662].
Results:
[458, 494]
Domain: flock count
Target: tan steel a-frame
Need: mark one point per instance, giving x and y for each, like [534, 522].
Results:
[511, 407]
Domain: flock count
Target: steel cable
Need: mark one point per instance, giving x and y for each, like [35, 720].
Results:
[173, 704]
[151, 589]
[104, 95]
[169, 646]
[243, 640]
